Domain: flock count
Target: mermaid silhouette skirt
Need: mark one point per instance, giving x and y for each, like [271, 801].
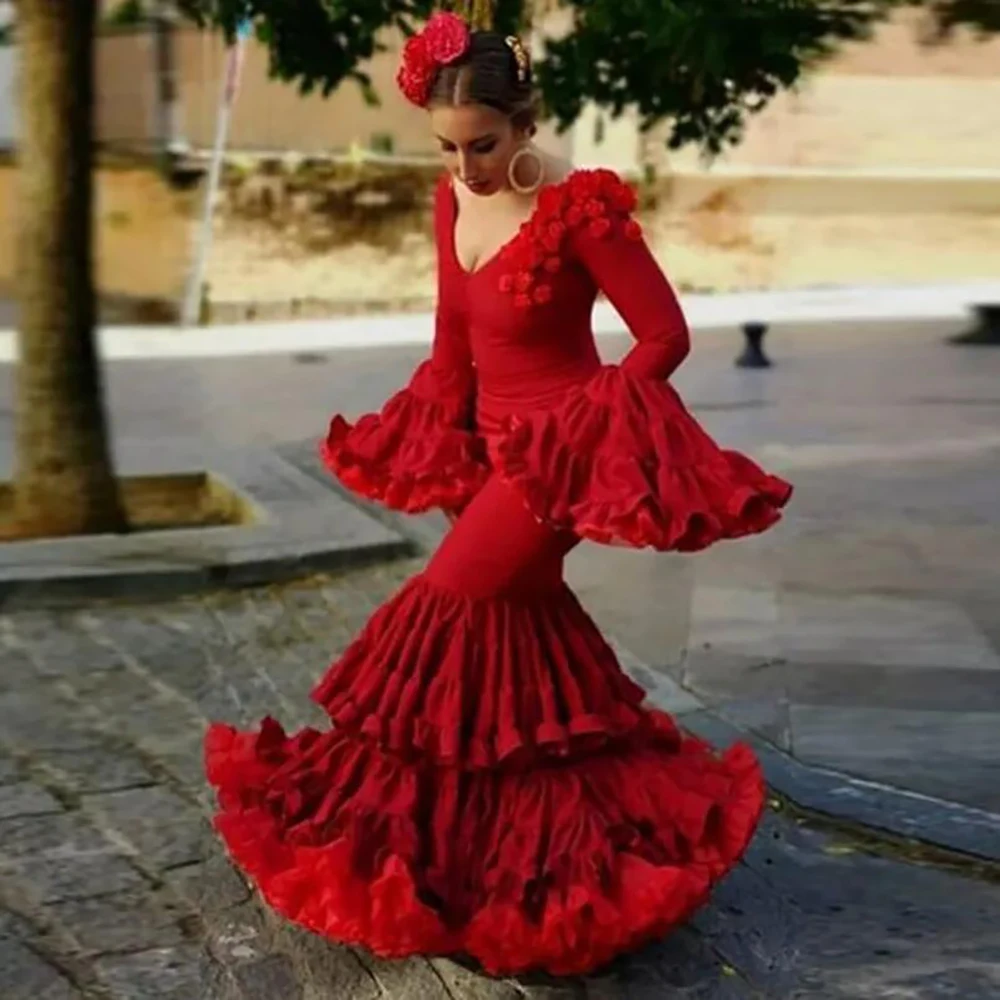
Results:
[492, 784]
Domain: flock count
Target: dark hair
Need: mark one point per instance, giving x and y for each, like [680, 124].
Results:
[488, 74]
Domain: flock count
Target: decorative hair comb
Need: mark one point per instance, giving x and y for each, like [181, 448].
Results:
[521, 57]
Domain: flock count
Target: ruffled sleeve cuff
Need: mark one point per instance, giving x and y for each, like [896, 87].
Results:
[419, 452]
[621, 461]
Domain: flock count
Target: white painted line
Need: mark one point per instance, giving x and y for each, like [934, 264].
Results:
[833, 305]
[819, 456]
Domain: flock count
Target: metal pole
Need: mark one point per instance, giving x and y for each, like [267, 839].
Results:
[986, 330]
[230, 83]
[753, 355]
[167, 111]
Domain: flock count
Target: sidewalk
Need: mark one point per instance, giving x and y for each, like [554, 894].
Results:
[857, 644]
[823, 305]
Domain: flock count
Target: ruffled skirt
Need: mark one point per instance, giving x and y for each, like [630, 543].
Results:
[492, 786]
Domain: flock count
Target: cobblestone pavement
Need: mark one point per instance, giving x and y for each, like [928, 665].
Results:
[112, 886]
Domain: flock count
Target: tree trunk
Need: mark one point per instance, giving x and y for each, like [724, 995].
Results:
[64, 479]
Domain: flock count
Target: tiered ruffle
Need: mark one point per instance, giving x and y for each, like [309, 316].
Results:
[561, 867]
[620, 460]
[418, 453]
[493, 826]
[475, 684]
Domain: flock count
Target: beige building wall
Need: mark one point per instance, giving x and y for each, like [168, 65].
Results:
[890, 104]
[271, 115]
[856, 122]
[143, 230]
[898, 49]
[125, 99]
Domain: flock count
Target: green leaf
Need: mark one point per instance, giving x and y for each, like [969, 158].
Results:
[703, 66]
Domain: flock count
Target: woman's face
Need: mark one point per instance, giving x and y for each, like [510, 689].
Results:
[477, 143]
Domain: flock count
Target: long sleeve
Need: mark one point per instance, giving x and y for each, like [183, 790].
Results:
[619, 459]
[420, 450]
[621, 264]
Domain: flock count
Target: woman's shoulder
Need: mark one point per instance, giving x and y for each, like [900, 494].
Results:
[443, 189]
[584, 206]
[444, 203]
[586, 200]
[578, 183]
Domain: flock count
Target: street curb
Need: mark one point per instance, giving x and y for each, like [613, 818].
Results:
[301, 527]
[895, 811]
[878, 808]
[835, 304]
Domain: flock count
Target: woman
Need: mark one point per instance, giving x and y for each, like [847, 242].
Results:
[493, 785]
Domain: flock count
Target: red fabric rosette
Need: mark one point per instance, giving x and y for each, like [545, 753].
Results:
[444, 40]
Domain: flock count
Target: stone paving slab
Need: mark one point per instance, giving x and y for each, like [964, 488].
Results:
[862, 636]
[112, 886]
[900, 689]
[300, 527]
[876, 630]
[897, 812]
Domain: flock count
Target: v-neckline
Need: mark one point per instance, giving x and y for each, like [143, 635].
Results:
[500, 250]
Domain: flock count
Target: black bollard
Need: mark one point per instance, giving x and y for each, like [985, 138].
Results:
[986, 332]
[753, 355]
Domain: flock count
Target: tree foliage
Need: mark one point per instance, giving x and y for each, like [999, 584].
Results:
[982, 16]
[321, 43]
[127, 13]
[704, 66]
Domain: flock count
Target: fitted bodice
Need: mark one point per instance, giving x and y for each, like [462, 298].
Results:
[524, 358]
[513, 391]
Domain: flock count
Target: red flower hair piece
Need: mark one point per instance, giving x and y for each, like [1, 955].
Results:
[444, 40]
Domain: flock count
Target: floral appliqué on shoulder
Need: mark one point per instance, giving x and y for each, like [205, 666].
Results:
[597, 202]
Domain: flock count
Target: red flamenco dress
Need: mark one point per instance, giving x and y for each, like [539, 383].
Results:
[492, 784]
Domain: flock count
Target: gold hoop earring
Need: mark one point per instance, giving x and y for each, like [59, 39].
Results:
[527, 150]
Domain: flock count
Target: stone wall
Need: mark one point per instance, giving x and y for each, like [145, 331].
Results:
[761, 231]
[313, 239]
[307, 242]
[143, 236]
